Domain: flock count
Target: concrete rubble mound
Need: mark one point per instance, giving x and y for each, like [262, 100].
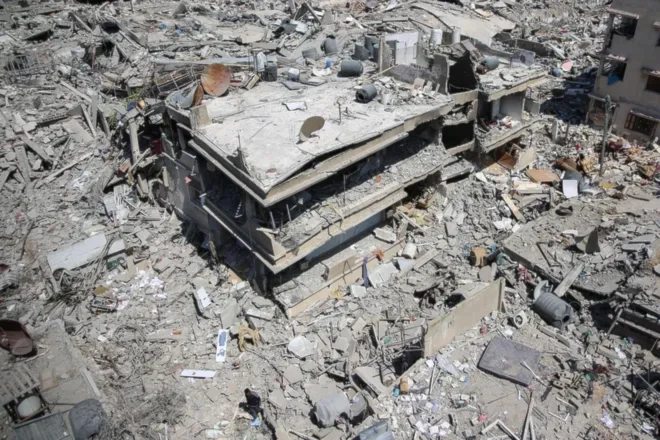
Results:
[369, 220]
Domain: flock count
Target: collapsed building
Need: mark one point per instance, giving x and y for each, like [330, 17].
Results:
[388, 285]
[291, 176]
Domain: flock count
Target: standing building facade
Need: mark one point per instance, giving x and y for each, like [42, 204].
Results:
[629, 70]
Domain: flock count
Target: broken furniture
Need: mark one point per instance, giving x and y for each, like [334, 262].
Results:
[20, 394]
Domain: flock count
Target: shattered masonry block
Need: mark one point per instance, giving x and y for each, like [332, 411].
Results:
[385, 235]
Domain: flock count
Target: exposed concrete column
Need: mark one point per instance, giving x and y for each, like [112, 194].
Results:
[494, 109]
[182, 138]
[591, 107]
[610, 24]
[455, 35]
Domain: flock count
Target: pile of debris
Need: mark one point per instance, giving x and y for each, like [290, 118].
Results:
[373, 220]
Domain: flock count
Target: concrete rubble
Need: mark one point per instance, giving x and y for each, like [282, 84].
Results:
[389, 219]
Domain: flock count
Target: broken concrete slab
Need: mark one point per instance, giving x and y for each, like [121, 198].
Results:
[633, 247]
[646, 239]
[77, 132]
[163, 264]
[266, 315]
[357, 291]
[381, 274]
[442, 330]
[568, 280]
[371, 378]
[84, 252]
[385, 235]
[301, 347]
[451, 229]
[293, 374]
[341, 344]
[504, 358]
[486, 274]
[277, 398]
[202, 299]
[358, 325]
[588, 243]
[227, 313]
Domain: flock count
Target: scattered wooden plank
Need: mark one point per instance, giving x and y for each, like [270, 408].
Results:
[512, 206]
[37, 149]
[57, 173]
[542, 176]
[79, 21]
[23, 164]
[568, 280]
[76, 91]
[428, 256]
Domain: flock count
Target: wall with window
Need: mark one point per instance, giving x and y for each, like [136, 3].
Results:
[637, 42]
[636, 127]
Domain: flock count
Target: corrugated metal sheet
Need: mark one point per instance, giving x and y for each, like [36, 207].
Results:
[48, 427]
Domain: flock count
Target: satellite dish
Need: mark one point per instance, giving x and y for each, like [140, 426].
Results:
[215, 79]
[311, 125]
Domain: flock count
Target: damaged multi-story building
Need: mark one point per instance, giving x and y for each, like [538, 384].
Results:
[505, 99]
[289, 180]
[629, 71]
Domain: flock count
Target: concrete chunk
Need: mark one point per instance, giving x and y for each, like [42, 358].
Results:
[293, 374]
[228, 313]
[452, 229]
[633, 247]
[266, 315]
[358, 325]
[77, 132]
[381, 274]
[385, 235]
[163, 265]
[357, 291]
[646, 239]
[340, 344]
[276, 397]
[83, 252]
[301, 347]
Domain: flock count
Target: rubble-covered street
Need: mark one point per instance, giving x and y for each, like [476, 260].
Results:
[371, 220]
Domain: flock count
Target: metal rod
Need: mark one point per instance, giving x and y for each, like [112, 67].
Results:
[272, 220]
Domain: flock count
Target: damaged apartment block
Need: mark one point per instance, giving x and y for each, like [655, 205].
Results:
[247, 169]
[289, 182]
[363, 220]
[629, 73]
